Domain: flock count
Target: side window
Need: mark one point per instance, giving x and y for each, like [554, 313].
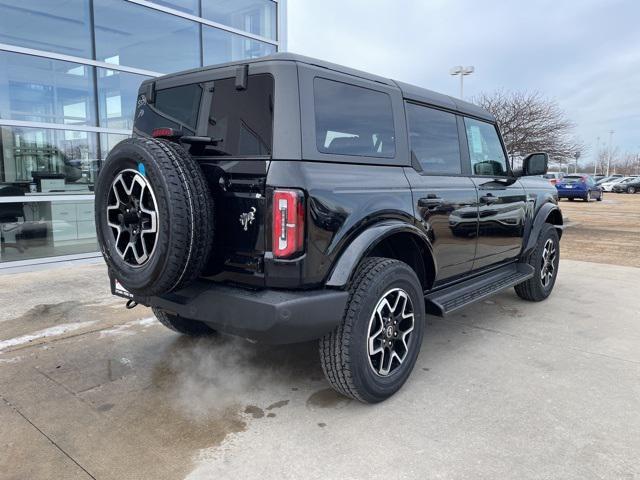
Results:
[433, 139]
[485, 149]
[353, 120]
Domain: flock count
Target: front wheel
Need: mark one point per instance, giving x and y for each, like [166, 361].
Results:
[370, 355]
[545, 260]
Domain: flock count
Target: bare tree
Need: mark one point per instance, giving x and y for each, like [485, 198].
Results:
[532, 123]
[624, 164]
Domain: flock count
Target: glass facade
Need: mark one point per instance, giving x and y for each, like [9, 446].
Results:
[253, 16]
[69, 76]
[40, 89]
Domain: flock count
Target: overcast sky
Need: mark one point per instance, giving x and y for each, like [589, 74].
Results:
[583, 53]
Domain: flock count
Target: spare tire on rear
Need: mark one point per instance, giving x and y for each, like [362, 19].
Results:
[154, 216]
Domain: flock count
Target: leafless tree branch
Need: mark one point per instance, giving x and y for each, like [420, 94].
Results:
[532, 123]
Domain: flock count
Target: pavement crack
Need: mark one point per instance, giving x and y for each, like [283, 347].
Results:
[17, 410]
[63, 386]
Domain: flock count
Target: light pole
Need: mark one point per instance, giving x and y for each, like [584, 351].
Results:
[595, 166]
[611, 132]
[462, 71]
[576, 155]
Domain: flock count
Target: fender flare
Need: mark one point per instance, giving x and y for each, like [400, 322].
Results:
[539, 220]
[350, 258]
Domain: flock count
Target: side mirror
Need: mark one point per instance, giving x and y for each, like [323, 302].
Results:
[535, 164]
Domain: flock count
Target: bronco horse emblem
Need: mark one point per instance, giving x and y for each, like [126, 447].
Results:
[247, 218]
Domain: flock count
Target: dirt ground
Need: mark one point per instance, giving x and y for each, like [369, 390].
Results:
[603, 232]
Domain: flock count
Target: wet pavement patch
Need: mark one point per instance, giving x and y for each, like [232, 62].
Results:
[279, 404]
[327, 398]
[255, 412]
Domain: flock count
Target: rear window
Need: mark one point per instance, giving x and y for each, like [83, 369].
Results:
[181, 104]
[242, 120]
[353, 120]
[571, 179]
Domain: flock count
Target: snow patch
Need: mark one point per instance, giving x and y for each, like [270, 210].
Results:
[46, 333]
[10, 360]
[125, 328]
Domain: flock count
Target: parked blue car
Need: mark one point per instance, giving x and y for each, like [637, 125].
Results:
[579, 186]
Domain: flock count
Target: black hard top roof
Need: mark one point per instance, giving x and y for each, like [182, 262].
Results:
[410, 92]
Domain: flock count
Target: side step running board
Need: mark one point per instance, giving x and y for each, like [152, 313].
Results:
[447, 300]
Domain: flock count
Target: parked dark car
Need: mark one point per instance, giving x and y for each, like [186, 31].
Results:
[579, 186]
[629, 186]
[286, 199]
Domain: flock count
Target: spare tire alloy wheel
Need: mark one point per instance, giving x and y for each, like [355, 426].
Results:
[132, 216]
[154, 216]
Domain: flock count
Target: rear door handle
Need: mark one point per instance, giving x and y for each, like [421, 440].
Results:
[430, 202]
[489, 198]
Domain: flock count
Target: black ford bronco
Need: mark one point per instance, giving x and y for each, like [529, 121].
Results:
[286, 199]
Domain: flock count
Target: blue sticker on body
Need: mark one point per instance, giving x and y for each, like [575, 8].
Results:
[141, 168]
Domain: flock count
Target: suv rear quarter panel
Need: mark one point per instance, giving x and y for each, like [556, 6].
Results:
[342, 200]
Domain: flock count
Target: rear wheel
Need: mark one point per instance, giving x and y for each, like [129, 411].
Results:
[370, 355]
[587, 197]
[631, 190]
[571, 199]
[185, 326]
[600, 196]
[545, 260]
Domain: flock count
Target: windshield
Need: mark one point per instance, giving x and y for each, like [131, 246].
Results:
[616, 180]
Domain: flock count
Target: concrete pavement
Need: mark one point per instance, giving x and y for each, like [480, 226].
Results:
[503, 389]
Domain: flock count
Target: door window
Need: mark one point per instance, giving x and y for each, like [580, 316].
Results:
[433, 139]
[485, 149]
[353, 120]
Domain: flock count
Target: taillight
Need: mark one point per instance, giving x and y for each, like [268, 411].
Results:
[288, 223]
[583, 179]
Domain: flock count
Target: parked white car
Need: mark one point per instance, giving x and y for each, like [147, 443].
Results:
[608, 186]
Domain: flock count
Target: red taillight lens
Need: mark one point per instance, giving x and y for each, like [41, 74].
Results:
[163, 132]
[583, 180]
[288, 223]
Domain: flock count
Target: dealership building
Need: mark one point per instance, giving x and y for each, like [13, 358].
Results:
[69, 76]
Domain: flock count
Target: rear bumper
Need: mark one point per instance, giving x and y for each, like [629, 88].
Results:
[572, 193]
[269, 316]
